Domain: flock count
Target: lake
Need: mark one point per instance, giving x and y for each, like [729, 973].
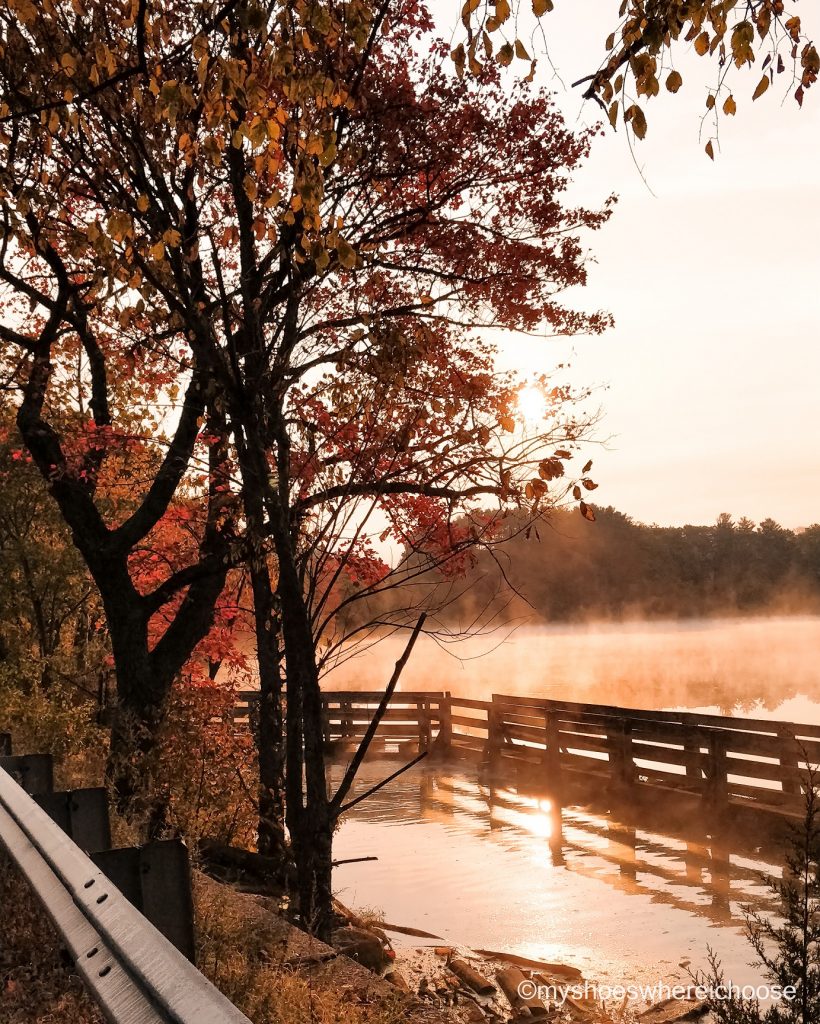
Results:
[625, 893]
[766, 667]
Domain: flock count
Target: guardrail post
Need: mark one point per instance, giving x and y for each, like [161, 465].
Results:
[34, 773]
[81, 814]
[156, 879]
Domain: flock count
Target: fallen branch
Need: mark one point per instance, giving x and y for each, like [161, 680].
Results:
[416, 932]
[535, 965]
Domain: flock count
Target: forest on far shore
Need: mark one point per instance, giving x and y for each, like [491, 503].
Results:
[617, 568]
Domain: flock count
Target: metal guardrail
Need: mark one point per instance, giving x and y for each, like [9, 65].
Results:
[133, 972]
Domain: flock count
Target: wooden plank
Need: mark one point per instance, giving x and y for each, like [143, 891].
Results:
[357, 716]
[469, 723]
[465, 702]
[582, 743]
[375, 696]
[409, 730]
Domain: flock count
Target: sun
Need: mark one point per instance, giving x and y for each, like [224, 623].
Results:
[532, 404]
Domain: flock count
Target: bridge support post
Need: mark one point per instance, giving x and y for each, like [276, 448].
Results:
[444, 740]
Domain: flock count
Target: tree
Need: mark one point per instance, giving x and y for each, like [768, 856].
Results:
[644, 39]
[49, 608]
[303, 224]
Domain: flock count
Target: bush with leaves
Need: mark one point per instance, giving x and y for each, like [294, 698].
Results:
[787, 945]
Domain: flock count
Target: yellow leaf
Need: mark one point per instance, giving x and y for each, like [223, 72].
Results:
[502, 11]
[158, 251]
[710, 151]
[762, 86]
[520, 50]
[172, 237]
[674, 81]
[729, 106]
[458, 57]
[540, 7]
[143, 203]
[505, 55]
[613, 113]
[702, 43]
[638, 119]
[346, 254]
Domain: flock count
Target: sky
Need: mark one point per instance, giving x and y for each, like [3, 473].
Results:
[708, 383]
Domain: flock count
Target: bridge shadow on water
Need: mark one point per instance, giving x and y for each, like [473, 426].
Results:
[666, 847]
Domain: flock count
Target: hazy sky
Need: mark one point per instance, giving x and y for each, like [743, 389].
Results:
[711, 373]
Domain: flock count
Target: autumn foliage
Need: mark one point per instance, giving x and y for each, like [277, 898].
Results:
[252, 257]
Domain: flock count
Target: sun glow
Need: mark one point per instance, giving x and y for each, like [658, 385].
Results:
[532, 404]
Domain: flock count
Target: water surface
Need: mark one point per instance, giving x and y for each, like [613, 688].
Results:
[625, 893]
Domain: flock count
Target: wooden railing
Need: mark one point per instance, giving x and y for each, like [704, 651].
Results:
[413, 720]
[719, 758]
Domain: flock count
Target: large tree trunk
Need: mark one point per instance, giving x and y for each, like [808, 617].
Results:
[270, 734]
[138, 715]
[269, 725]
[308, 812]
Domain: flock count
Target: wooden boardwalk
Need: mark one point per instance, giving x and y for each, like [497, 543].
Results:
[723, 760]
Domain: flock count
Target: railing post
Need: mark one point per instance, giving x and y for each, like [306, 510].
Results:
[717, 781]
[788, 761]
[326, 737]
[691, 745]
[423, 714]
[552, 759]
[346, 715]
[495, 737]
[445, 729]
[619, 741]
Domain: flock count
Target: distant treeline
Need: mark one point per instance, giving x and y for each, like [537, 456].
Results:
[617, 568]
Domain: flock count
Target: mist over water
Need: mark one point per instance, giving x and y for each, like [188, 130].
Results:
[757, 667]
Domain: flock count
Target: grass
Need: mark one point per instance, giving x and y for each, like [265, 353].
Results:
[244, 960]
[37, 981]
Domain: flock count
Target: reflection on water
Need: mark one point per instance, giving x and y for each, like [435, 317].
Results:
[754, 667]
[625, 892]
